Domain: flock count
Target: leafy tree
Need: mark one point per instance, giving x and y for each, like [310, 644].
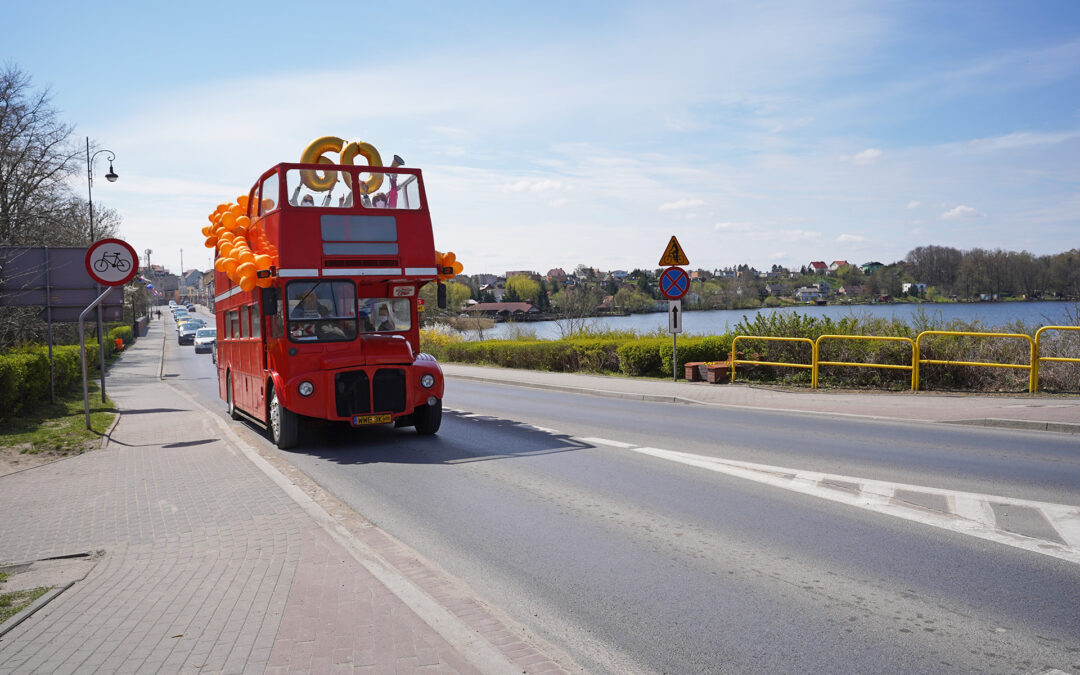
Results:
[521, 288]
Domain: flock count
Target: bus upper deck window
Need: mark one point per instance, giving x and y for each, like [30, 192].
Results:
[329, 189]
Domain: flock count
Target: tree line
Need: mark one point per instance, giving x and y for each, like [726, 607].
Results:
[40, 161]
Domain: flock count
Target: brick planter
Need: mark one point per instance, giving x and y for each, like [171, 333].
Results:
[718, 373]
[693, 371]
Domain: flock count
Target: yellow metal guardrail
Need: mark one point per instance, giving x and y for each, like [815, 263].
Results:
[1030, 367]
[818, 363]
[735, 361]
[916, 361]
[1039, 358]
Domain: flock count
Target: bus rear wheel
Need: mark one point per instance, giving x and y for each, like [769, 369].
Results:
[428, 418]
[284, 423]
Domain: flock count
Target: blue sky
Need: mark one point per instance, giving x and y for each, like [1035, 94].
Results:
[552, 135]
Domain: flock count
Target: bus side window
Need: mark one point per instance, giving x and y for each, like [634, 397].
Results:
[233, 319]
[243, 322]
[256, 328]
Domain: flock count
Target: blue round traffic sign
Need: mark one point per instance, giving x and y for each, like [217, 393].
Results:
[674, 282]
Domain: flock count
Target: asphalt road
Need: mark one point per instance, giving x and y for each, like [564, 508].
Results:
[630, 562]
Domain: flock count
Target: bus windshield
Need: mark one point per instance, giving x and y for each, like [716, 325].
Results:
[383, 315]
[321, 311]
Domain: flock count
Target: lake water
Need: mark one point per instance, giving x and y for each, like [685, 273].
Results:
[991, 314]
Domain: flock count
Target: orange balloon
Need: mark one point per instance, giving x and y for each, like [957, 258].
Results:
[267, 205]
[247, 284]
[262, 262]
[219, 264]
[228, 219]
[242, 202]
[243, 223]
[212, 217]
[246, 256]
[246, 269]
[210, 242]
[230, 265]
[236, 210]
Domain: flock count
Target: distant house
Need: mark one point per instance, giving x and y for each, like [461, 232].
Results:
[818, 267]
[503, 310]
[837, 265]
[913, 288]
[824, 288]
[523, 273]
[807, 294]
[557, 275]
[776, 289]
[850, 290]
[868, 268]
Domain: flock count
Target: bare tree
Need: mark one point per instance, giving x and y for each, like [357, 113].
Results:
[36, 159]
[574, 306]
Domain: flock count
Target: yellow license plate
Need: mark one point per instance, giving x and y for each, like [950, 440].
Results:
[361, 420]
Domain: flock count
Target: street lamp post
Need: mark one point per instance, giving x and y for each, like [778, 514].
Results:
[111, 177]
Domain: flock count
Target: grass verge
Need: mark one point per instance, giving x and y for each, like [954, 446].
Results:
[15, 601]
[59, 428]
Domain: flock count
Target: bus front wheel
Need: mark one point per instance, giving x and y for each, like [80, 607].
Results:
[284, 423]
[428, 418]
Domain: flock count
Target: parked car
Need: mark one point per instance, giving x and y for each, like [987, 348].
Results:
[205, 339]
[185, 334]
[196, 320]
[190, 308]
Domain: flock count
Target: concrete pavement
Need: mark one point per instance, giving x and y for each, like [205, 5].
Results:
[181, 547]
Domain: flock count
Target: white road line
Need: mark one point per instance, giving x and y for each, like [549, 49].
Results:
[972, 519]
[604, 441]
[973, 508]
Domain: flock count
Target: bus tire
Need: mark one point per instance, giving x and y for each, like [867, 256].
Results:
[284, 424]
[231, 399]
[428, 418]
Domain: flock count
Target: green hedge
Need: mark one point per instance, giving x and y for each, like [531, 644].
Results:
[633, 356]
[24, 372]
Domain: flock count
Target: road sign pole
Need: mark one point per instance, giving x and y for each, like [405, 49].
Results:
[674, 357]
[82, 354]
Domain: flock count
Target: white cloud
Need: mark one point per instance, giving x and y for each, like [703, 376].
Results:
[533, 186]
[734, 227]
[868, 156]
[914, 204]
[802, 235]
[961, 213]
[846, 238]
[681, 204]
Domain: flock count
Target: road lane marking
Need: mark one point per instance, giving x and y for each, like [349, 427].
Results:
[604, 441]
[974, 517]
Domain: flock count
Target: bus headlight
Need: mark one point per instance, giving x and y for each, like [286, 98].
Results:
[306, 388]
[427, 380]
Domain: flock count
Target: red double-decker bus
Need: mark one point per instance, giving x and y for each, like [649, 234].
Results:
[332, 330]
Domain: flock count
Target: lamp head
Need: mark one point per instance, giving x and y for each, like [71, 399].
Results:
[111, 176]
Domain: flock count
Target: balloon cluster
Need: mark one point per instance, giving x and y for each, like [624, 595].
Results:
[243, 251]
[447, 266]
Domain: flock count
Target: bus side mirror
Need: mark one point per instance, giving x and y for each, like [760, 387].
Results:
[269, 301]
[441, 295]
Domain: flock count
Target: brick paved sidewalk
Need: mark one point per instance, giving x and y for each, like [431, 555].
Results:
[213, 561]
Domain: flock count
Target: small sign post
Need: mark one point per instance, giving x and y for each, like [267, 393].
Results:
[674, 283]
[110, 262]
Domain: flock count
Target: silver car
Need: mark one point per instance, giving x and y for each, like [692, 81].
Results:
[205, 339]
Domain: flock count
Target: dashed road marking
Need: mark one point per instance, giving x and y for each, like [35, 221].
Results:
[966, 513]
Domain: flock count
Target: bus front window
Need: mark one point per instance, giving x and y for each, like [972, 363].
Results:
[321, 311]
[384, 315]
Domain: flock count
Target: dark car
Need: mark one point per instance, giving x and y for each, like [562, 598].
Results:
[190, 308]
[185, 333]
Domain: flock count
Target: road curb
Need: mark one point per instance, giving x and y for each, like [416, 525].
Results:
[1026, 425]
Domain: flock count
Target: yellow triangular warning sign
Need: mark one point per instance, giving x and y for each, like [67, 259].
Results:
[673, 254]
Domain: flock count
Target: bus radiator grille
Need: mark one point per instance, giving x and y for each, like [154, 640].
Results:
[352, 393]
[388, 390]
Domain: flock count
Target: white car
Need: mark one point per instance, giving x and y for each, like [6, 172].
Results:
[205, 339]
